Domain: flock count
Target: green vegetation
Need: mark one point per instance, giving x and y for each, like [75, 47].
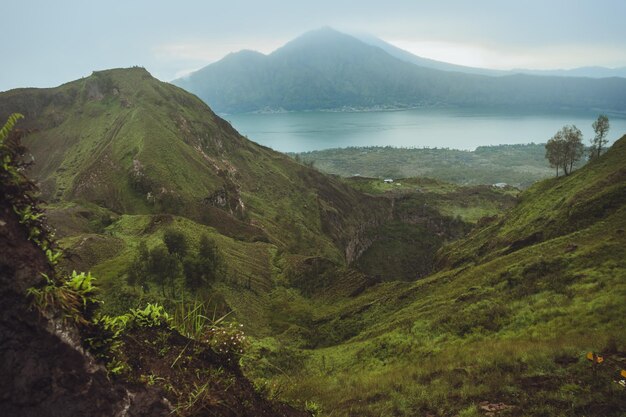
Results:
[564, 149]
[170, 264]
[517, 165]
[73, 298]
[358, 297]
[19, 191]
[601, 128]
[506, 319]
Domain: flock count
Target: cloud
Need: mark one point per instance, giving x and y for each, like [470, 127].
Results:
[506, 56]
[205, 51]
[184, 72]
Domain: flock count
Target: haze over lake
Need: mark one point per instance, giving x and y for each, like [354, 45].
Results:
[454, 128]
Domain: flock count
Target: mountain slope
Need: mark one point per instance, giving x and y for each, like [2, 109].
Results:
[550, 209]
[123, 157]
[325, 69]
[124, 141]
[504, 322]
[425, 62]
[591, 72]
[504, 325]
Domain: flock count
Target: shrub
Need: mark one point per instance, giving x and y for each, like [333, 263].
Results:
[227, 340]
[73, 297]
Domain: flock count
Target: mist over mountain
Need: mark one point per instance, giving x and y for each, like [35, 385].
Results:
[589, 71]
[329, 70]
[406, 56]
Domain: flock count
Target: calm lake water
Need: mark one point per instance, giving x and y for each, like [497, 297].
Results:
[443, 128]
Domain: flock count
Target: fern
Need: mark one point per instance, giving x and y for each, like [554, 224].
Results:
[8, 126]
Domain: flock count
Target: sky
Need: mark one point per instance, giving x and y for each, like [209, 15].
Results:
[46, 43]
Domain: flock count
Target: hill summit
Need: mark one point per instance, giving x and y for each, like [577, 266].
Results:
[123, 140]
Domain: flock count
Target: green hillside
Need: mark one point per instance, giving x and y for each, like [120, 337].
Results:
[504, 324]
[361, 298]
[122, 157]
[124, 141]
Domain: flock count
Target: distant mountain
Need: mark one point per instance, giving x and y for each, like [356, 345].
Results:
[590, 72]
[329, 70]
[406, 56]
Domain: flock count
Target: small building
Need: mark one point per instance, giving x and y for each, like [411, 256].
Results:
[500, 185]
[387, 180]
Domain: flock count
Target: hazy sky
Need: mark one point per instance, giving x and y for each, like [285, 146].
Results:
[45, 43]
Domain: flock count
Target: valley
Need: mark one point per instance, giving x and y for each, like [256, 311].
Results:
[359, 297]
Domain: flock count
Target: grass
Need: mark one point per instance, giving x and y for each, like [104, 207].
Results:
[323, 271]
[513, 328]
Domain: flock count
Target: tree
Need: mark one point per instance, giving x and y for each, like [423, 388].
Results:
[137, 273]
[565, 148]
[574, 148]
[554, 151]
[176, 242]
[205, 267]
[601, 128]
[163, 268]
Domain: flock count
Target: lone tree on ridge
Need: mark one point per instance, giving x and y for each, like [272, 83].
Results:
[565, 148]
[601, 128]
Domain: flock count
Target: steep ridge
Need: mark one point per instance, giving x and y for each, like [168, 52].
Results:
[45, 371]
[57, 357]
[122, 157]
[124, 141]
[550, 209]
[329, 70]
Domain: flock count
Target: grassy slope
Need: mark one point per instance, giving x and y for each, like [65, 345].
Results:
[550, 209]
[500, 326]
[118, 150]
[506, 328]
[125, 141]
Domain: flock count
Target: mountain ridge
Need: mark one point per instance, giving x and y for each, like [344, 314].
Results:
[585, 71]
[329, 70]
[121, 149]
[336, 280]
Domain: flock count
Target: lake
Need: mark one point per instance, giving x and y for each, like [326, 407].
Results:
[444, 128]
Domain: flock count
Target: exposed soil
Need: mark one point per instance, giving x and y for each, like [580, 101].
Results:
[43, 370]
[192, 375]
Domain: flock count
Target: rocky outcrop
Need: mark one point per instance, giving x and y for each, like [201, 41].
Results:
[43, 369]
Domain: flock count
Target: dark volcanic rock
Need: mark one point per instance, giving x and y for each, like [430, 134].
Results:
[43, 369]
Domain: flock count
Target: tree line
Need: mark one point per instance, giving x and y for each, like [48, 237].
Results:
[172, 263]
[566, 147]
